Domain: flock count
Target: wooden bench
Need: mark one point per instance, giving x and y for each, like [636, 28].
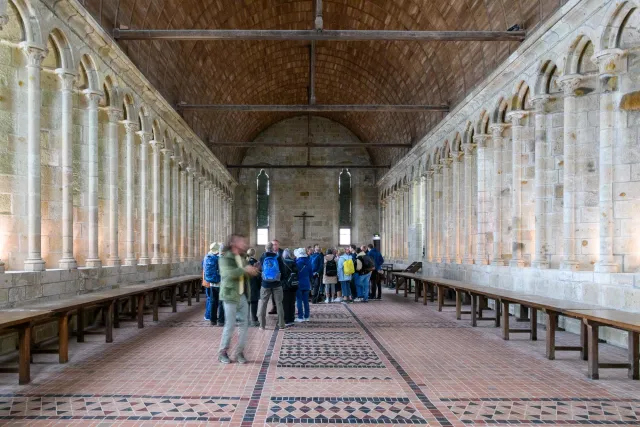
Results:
[414, 267]
[107, 300]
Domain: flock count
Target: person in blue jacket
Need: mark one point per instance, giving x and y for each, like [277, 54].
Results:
[304, 284]
[317, 268]
[376, 283]
[214, 311]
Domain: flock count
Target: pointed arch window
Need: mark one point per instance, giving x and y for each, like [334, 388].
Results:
[344, 191]
[262, 207]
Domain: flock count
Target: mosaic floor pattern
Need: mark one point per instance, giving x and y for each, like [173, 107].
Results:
[390, 362]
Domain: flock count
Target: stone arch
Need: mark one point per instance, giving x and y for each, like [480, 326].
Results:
[482, 125]
[546, 81]
[88, 74]
[156, 130]
[111, 95]
[499, 114]
[456, 145]
[143, 119]
[128, 107]
[616, 19]
[62, 49]
[521, 99]
[578, 59]
[167, 140]
[469, 132]
[30, 24]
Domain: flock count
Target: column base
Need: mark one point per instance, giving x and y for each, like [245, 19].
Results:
[481, 261]
[467, 261]
[516, 263]
[130, 262]
[143, 261]
[607, 267]
[183, 259]
[68, 264]
[446, 260]
[541, 265]
[114, 262]
[34, 264]
[569, 265]
[498, 262]
[93, 263]
[1, 267]
[155, 260]
[166, 259]
[457, 261]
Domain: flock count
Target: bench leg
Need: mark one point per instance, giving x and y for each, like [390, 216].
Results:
[458, 305]
[116, 314]
[480, 305]
[474, 310]
[584, 341]
[156, 303]
[592, 364]
[132, 307]
[533, 324]
[181, 292]
[141, 311]
[189, 293]
[63, 338]
[524, 313]
[505, 318]
[24, 355]
[431, 295]
[498, 311]
[197, 287]
[552, 324]
[174, 300]
[407, 284]
[108, 324]
[440, 297]
[80, 324]
[425, 292]
[634, 355]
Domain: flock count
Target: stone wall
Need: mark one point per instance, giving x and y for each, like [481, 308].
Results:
[531, 182]
[314, 191]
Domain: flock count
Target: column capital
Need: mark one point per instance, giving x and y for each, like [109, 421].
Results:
[517, 117]
[145, 137]
[468, 148]
[35, 53]
[93, 96]
[437, 169]
[129, 126]
[456, 156]
[497, 129]
[610, 61]
[115, 114]
[67, 78]
[167, 152]
[156, 144]
[570, 83]
[446, 162]
[202, 178]
[481, 140]
[189, 169]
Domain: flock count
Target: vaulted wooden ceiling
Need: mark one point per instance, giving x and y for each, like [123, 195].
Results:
[277, 72]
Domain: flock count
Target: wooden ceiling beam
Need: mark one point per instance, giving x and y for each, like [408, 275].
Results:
[307, 167]
[325, 35]
[215, 144]
[315, 108]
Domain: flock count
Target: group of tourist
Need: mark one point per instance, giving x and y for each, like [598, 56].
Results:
[238, 286]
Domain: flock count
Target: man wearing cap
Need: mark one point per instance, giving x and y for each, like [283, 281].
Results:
[214, 311]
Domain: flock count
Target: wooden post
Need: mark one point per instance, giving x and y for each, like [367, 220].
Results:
[181, 292]
[80, 324]
[458, 305]
[425, 291]
[116, 314]
[197, 286]
[474, 310]
[440, 297]
[108, 323]
[533, 323]
[634, 354]
[156, 303]
[407, 285]
[505, 318]
[480, 305]
[552, 324]
[174, 299]
[141, 311]
[132, 307]
[524, 315]
[498, 311]
[189, 293]
[63, 338]
[592, 363]
[24, 355]
[584, 341]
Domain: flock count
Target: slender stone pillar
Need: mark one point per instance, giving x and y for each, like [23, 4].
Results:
[569, 84]
[540, 259]
[166, 205]
[455, 194]
[467, 242]
[144, 184]
[34, 261]
[202, 235]
[446, 211]
[231, 217]
[207, 213]
[156, 146]
[115, 116]
[93, 259]
[437, 217]
[517, 139]
[484, 197]
[196, 245]
[429, 208]
[611, 63]
[498, 146]
[131, 128]
[422, 214]
[67, 78]
[183, 213]
[175, 210]
[405, 217]
[190, 208]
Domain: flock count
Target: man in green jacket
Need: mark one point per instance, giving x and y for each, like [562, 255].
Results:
[235, 291]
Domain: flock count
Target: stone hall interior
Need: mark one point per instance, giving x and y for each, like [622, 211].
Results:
[475, 162]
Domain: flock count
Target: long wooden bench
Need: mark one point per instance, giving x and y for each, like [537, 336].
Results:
[25, 318]
[414, 267]
[591, 317]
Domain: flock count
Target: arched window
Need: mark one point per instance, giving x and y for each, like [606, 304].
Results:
[344, 190]
[262, 208]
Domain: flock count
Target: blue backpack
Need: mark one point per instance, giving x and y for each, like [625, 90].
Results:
[271, 269]
[211, 270]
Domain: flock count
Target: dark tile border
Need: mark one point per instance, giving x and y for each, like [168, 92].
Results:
[120, 396]
[114, 418]
[405, 376]
[256, 395]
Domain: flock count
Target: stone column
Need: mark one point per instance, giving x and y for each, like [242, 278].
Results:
[202, 234]
[437, 217]
[196, 245]
[611, 63]
[429, 210]
[166, 205]
[498, 142]
[455, 194]
[115, 116]
[34, 261]
[215, 220]
[467, 242]
[569, 84]
[190, 208]
[484, 197]
[207, 213]
[156, 146]
[422, 214]
[175, 209]
[144, 229]
[183, 213]
[93, 260]
[446, 211]
[517, 139]
[131, 128]
[67, 78]
[405, 218]
[540, 260]
[392, 216]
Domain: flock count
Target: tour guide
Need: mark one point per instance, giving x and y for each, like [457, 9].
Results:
[235, 292]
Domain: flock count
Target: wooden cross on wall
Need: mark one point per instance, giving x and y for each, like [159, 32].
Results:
[304, 217]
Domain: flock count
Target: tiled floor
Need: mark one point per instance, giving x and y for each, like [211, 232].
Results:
[388, 362]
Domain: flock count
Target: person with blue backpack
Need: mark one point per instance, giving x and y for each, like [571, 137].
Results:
[272, 271]
[214, 311]
[304, 284]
